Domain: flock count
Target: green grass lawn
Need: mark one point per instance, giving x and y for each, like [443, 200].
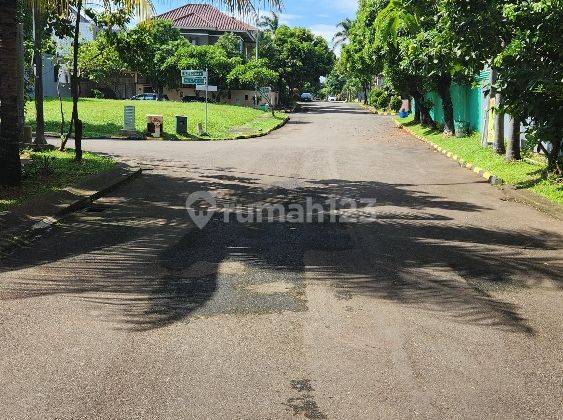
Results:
[104, 117]
[49, 171]
[522, 174]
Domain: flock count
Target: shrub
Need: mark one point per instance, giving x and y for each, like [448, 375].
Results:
[374, 96]
[382, 102]
[97, 94]
[395, 103]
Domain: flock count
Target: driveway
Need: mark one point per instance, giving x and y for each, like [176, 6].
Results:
[443, 299]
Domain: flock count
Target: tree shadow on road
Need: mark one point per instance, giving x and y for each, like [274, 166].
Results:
[319, 108]
[138, 255]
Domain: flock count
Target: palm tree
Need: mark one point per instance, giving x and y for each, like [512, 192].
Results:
[10, 165]
[270, 23]
[341, 37]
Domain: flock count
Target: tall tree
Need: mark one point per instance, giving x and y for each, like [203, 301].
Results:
[75, 84]
[38, 29]
[397, 29]
[10, 164]
[513, 145]
[144, 47]
[298, 57]
[255, 72]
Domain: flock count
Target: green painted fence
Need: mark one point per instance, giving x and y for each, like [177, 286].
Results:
[468, 102]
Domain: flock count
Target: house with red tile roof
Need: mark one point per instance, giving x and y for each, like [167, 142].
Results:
[203, 24]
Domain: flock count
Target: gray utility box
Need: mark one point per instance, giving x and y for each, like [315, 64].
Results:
[181, 125]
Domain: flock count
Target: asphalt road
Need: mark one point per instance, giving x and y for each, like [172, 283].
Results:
[442, 300]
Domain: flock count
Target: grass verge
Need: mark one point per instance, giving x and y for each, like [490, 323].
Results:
[522, 174]
[104, 117]
[49, 171]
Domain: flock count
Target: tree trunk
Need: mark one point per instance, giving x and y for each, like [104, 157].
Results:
[554, 164]
[513, 146]
[365, 94]
[425, 117]
[444, 85]
[416, 108]
[61, 110]
[75, 87]
[498, 140]
[38, 61]
[10, 164]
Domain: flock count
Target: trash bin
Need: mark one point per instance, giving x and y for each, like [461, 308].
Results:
[461, 128]
[403, 114]
[263, 107]
[155, 125]
[181, 125]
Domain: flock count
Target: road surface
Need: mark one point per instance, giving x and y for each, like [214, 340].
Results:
[441, 300]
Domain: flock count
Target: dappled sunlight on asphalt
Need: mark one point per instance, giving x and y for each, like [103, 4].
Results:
[135, 254]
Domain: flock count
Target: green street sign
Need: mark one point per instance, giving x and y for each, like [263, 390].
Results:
[193, 80]
[194, 73]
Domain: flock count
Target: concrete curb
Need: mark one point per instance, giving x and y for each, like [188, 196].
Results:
[192, 138]
[265, 133]
[533, 200]
[35, 231]
[487, 176]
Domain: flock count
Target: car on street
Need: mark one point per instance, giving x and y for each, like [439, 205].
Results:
[307, 97]
[149, 97]
[332, 98]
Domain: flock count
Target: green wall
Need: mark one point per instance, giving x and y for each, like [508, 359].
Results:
[468, 102]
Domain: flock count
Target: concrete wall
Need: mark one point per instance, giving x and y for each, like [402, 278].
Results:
[87, 33]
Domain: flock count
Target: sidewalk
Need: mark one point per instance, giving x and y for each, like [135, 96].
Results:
[26, 222]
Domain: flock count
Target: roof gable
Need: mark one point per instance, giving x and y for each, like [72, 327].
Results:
[204, 16]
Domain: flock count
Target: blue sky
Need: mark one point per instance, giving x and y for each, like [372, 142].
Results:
[321, 16]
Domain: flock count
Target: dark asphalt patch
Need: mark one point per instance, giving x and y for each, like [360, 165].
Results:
[304, 405]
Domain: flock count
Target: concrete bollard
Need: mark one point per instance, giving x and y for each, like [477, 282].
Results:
[27, 134]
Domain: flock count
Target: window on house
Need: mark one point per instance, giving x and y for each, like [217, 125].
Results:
[246, 97]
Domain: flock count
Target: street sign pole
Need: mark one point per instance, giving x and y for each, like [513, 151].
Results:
[206, 90]
[199, 78]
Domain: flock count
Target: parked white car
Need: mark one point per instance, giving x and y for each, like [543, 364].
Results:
[332, 98]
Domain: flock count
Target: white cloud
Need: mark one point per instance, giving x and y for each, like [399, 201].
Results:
[345, 6]
[288, 18]
[326, 31]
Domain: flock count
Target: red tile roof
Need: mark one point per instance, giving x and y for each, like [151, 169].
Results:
[204, 16]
